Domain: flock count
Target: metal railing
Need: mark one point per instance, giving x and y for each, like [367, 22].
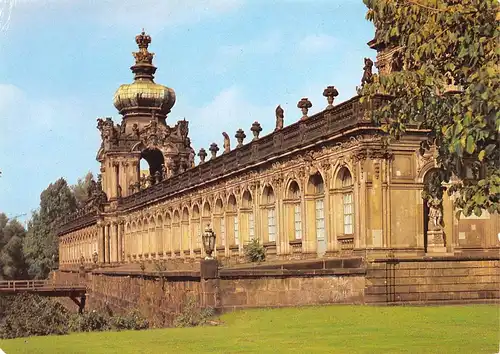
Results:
[34, 285]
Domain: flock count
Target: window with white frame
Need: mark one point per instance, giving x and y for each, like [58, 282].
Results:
[251, 226]
[297, 221]
[271, 224]
[223, 230]
[348, 213]
[236, 231]
[320, 218]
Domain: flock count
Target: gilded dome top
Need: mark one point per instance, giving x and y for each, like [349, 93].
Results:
[144, 95]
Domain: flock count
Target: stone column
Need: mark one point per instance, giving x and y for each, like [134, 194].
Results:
[107, 243]
[209, 284]
[116, 242]
[101, 242]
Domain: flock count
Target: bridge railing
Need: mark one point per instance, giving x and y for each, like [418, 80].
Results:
[33, 285]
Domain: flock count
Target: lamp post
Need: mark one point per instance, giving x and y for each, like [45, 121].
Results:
[208, 241]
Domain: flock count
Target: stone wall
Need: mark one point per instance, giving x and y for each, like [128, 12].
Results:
[161, 296]
[292, 290]
[159, 299]
[433, 280]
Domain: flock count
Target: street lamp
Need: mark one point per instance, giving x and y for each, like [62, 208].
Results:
[208, 241]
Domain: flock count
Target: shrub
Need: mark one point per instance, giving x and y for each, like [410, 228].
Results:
[132, 320]
[192, 315]
[32, 315]
[254, 251]
[90, 321]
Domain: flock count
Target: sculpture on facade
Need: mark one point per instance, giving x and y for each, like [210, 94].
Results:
[435, 213]
[280, 118]
[227, 143]
[367, 72]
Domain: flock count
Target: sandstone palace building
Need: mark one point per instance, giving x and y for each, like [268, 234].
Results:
[319, 187]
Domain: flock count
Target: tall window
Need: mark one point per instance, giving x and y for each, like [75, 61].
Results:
[297, 221]
[346, 185]
[294, 207]
[271, 224]
[348, 213]
[223, 230]
[320, 218]
[236, 231]
[251, 226]
[269, 213]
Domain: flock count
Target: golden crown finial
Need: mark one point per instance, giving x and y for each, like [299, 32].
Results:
[143, 40]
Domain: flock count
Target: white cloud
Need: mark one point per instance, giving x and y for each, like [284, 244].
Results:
[317, 43]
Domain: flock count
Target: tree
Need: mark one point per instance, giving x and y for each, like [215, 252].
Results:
[449, 85]
[12, 263]
[81, 189]
[41, 243]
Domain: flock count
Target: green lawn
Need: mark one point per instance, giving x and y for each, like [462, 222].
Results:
[328, 329]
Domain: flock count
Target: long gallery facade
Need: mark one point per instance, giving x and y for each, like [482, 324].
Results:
[325, 185]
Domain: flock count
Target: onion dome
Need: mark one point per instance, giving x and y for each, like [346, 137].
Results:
[144, 95]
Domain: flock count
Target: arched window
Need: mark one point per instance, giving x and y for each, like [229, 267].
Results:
[176, 229]
[346, 186]
[316, 202]
[232, 217]
[220, 223]
[196, 228]
[294, 198]
[247, 213]
[167, 236]
[269, 207]
[158, 248]
[185, 245]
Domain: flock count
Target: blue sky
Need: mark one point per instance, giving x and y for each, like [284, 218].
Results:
[230, 63]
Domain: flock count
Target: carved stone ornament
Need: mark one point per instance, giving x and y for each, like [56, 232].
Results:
[110, 134]
[280, 118]
[202, 154]
[240, 136]
[367, 72]
[227, 143]
[435, 214]
[304, 104]
[423, 160]
[330, 93]
[213, 150]
[256, 129]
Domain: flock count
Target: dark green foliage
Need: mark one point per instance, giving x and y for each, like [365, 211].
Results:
[254, 251]
[30, 315]
[133, 320]
[81, 189]
[12, 263]
[90, 322]
[40, 245]
[192, 315]
[450, 85]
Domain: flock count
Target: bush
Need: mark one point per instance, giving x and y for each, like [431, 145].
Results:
[31, 315]
[192, 315]
[132, 320]
[90, 321]
[254, 251]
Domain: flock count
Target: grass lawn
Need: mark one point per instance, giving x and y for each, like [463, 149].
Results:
[328, 329]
